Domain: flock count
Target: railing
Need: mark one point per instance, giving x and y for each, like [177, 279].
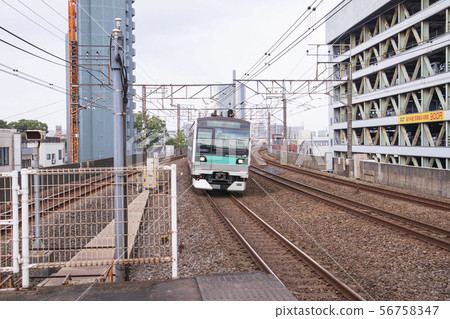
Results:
[84, 217]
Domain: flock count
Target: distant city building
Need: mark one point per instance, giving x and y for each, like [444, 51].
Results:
[95, 22]
[58, 132]
[400, 57]
[317, 146]
[322, 133]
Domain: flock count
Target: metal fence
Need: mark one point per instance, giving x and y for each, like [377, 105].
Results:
[95, 217]
[9, 224]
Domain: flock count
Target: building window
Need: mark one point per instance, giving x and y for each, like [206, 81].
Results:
[60, 154]
[4, 156]
[48, 156]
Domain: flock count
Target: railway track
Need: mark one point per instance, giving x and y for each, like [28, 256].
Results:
[435, 203]
[273, 253]
[66, 196]
[428, 233]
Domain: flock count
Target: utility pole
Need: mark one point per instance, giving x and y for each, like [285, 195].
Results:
[349, 111]
[284, 117]
[178, 126]
[268, 128]
[120, 214]
[144, 120]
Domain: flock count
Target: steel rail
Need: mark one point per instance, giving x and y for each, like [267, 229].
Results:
[435, 203]
[340, 286]
[337, 202]
[253, 254]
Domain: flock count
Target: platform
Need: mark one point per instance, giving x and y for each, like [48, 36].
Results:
[255, 286]
[104, 239]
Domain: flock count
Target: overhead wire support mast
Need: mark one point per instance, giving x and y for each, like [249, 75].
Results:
[73, 83]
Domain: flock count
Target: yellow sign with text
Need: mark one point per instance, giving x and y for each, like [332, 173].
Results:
[421, 117]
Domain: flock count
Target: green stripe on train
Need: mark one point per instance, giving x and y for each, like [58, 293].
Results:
[214, 159]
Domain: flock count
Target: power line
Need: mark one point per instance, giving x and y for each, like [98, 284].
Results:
[28, 52]
[35, 109]
[285, 35]
[33, 20]
[42, 17]
[54, 10]
[51, 54]
[108, 34]
[49, 85]
[33, 45]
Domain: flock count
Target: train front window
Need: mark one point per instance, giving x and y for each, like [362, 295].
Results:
[204, 139]
[231, 142]
[223, 141]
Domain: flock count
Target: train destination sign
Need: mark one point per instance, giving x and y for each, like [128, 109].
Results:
[421, 117]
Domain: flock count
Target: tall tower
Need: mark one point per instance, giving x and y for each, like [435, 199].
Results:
[95, 21]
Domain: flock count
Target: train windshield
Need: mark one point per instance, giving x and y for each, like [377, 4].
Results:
[223, 141]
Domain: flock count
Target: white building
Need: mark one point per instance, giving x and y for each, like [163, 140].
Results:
[400, 57]
[10, 153]
[51, 153]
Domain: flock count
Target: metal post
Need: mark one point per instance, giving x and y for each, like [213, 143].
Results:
[173, 180]
[37, 244]
[178, 126]
[349, 118]
[144, 120]
[234, 90]
[284, 114]
[349, 111]
[15, 225]
[268, 130]
[242, 89]
[25, 231]
[118, 114]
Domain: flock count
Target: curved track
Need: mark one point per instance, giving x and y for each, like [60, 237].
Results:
[304, 277]
[435, 203]
[425, 232]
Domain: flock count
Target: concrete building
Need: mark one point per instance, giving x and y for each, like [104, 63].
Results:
[51, 153]
[95, 22]
[400, 57]
[10, 152]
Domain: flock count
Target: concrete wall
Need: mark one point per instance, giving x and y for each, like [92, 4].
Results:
[302, 160]
[423, 180]
[10, 139]
[49, 154]
[342, 166]
[350, 15]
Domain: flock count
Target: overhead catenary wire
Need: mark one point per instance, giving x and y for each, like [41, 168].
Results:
[54, 26]
[32, 110]
[54, 10]
[289, 47]
[4, 1]
[106, 32]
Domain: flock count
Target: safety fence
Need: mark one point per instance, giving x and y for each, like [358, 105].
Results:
[90, 217]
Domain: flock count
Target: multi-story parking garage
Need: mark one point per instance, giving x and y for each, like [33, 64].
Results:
[400, 58]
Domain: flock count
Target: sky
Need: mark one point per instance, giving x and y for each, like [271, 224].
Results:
[177, 42]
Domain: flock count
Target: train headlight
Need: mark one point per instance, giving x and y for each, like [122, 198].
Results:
[202, 159]
[240, 161]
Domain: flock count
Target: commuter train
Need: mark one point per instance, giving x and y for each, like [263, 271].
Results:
[219, 153]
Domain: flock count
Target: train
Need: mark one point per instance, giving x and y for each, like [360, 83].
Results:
[219, 153]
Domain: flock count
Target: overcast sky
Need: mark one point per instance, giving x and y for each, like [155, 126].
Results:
[177, 42]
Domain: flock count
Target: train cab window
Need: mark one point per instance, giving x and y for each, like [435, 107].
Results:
[204, 140]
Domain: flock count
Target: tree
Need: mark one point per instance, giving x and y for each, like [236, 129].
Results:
[154, 129]
[24, 125]
[174, 140]
[4, 124]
